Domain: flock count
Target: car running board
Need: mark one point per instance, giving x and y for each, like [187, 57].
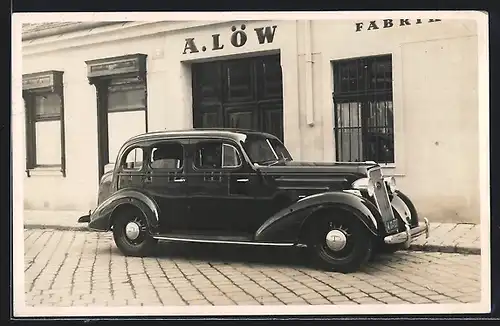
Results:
[226, 239]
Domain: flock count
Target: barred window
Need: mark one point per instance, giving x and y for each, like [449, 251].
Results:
[363, 109]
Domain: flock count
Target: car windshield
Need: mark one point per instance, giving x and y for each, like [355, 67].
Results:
[263, 150]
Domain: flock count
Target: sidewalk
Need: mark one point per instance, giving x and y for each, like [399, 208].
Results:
[444, 237]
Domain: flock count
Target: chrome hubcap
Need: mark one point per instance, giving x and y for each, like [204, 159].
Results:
[336, 240]
[132, 230]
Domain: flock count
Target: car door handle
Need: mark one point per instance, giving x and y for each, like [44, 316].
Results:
[148, 179]
[242, 180]
[179, 180]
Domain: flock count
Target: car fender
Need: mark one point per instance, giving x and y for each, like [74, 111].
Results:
[100, 218]
[105, 186]
[410, 206]
[286, 225]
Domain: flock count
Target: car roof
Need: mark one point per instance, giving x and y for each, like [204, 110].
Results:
[231, 133]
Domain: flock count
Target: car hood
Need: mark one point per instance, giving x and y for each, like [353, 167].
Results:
[346, 169]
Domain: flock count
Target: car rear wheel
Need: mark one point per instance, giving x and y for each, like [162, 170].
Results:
[340, 243]
[130, 234]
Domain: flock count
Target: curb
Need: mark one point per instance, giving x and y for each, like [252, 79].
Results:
[457, 249]
[55, 227]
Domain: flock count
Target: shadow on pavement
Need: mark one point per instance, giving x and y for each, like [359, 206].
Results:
[267, 257]
[220, 253]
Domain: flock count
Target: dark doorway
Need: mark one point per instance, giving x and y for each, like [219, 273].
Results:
[240, 93]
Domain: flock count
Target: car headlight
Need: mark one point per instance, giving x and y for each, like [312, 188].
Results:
[391, 182]
[365, 184]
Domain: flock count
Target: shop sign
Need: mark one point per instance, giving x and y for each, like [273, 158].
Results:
[114, 66]
[391, 23]
[42, 80]
[37, 82]
[127, 64]
[237, 38]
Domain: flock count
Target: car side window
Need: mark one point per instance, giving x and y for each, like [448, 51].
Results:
[168, 155]
[216, 155]
[133, 160]
[230, 156]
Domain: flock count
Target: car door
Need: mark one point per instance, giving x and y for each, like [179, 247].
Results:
[217, 203]
[248, 196]
[165, 181]
[131, 169]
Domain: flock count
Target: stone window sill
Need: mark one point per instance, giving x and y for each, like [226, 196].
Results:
[54, 171]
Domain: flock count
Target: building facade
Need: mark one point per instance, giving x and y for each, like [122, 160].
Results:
[402, 92]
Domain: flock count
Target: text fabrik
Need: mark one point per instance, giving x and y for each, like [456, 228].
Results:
[237, 39]
[390, 23]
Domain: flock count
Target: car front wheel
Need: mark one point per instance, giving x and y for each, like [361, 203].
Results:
[130, 234]
[340, 243]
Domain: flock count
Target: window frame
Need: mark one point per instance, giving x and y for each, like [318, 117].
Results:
[225, 145]
[222, 143]
[101, 73]
[367, 96]
[123, 168]
[156, 144]
[43, 84]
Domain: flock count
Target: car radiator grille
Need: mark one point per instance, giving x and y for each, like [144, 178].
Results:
[382, 200]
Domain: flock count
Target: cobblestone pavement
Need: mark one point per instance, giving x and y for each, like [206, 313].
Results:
[68, 268]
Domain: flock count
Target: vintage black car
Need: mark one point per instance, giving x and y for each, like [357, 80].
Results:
[243, 187]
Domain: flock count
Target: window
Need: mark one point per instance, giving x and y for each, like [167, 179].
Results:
[134, 159]
[363, 109]
[167, 156]
[230, 156]
[216, 155]
[44, 104]
[47, 107]
[126, 94]
[120, 84]
[262, 150]
[126, 105]
[280, 150]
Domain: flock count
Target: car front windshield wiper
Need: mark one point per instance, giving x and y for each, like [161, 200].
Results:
[265, 162]
[273, 161]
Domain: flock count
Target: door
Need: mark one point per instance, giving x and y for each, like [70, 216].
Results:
[165, 180]
[221, 197]
[131, 170]
[240, 93]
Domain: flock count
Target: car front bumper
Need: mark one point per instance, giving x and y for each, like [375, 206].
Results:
[406, 237]
[85, 218]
